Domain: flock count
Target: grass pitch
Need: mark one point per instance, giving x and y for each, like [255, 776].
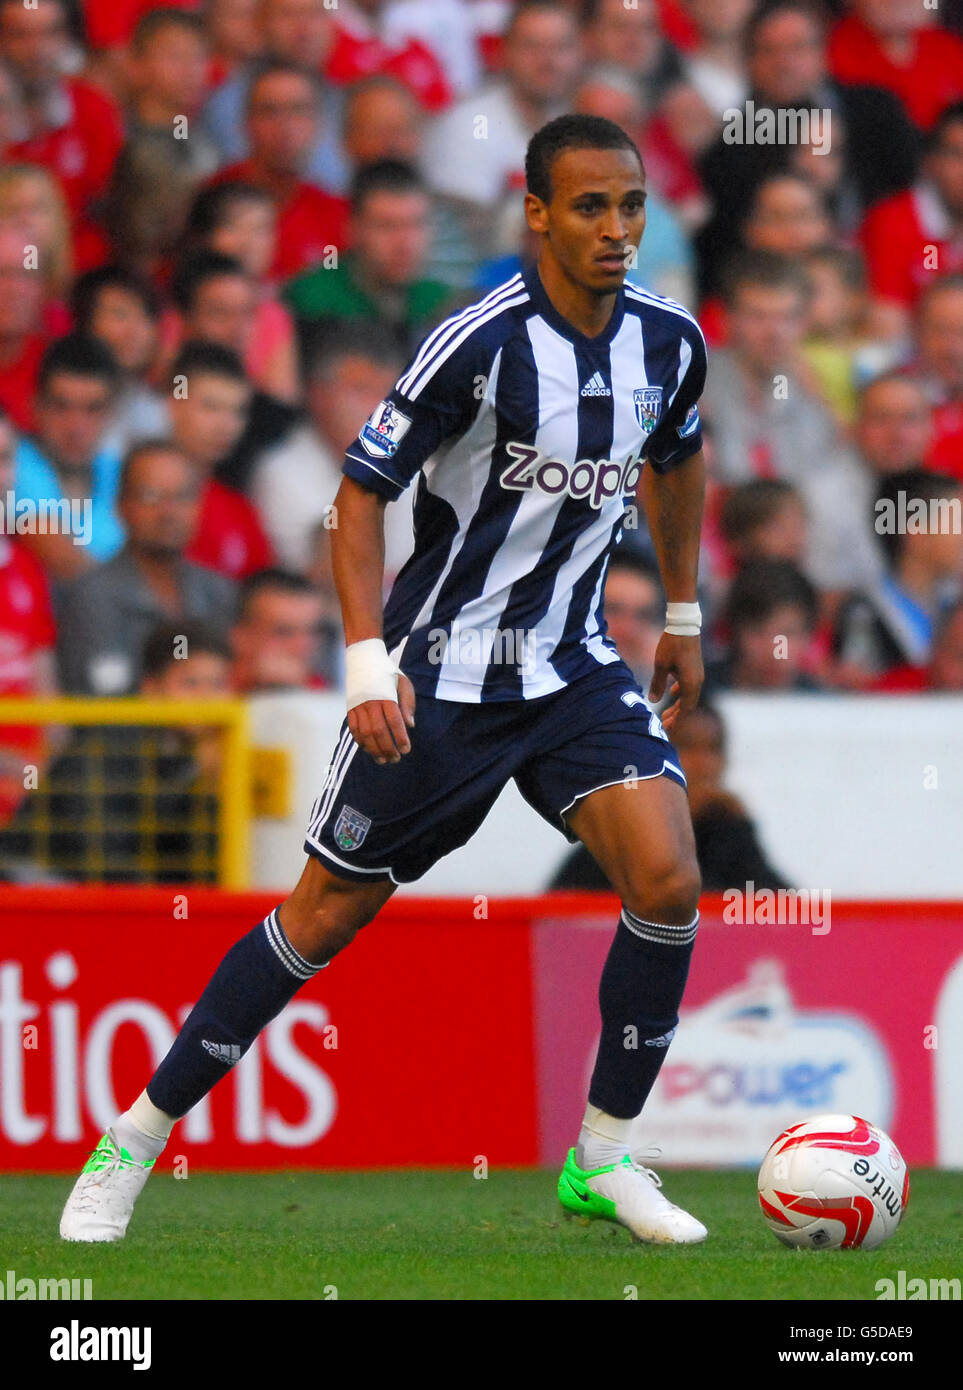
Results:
[446, 1235]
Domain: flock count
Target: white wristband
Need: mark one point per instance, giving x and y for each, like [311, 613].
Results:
[370, 674]
[683, 619]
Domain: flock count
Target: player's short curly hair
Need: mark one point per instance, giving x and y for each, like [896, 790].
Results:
[570, 132]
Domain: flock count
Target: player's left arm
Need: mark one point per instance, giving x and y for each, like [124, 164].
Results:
[673, 505]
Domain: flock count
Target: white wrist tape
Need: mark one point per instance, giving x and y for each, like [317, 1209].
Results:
[683, 619]
[370, 673]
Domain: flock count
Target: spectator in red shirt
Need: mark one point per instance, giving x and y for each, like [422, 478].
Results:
[74, 129]
[27, 636]
[209, 403]
[919, 233]
[283, 122]
[359, 51]
[894, 44]
[939, 340]
[22, 336]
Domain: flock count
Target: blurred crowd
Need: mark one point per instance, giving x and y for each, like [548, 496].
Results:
[225, 225]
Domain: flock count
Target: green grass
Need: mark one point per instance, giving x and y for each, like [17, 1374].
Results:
[446, 1235]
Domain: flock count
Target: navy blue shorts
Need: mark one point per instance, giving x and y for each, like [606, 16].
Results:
[396, 820]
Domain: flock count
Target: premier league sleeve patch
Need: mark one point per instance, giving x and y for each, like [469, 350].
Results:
[690, 424]
[384, 431]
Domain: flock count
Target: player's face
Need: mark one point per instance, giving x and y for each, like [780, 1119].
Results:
[596, 217]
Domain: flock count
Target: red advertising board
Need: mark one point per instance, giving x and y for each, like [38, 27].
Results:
[442, 1034]
[415, 1046]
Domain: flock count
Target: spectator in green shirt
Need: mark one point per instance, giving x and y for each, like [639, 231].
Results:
[379, 281]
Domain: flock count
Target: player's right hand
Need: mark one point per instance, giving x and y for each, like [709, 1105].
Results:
[380, 727]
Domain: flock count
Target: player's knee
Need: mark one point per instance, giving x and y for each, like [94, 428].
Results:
[321, 924]
[669, 894]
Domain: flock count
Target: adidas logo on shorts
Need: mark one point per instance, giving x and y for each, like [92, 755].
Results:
[595, 386]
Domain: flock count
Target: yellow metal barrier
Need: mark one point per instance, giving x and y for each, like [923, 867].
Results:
[230, 715]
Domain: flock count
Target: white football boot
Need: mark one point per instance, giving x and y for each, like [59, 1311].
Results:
[103, 1197]
[629, 1193]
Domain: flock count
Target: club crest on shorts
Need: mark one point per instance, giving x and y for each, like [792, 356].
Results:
[350, 829]
[648, 405]
[384, 431]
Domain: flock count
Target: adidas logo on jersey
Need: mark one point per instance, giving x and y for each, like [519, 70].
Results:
[229, 1053]
[595, 386]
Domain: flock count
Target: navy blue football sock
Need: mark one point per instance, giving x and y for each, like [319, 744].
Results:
[639, 995]
[259, 975]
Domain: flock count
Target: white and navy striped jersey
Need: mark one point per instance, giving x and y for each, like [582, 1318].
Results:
[530, 439]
